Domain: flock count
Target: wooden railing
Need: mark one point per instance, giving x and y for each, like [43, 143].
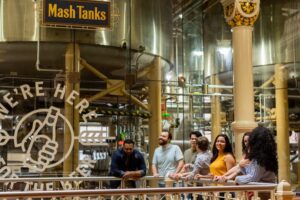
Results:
[76, 188]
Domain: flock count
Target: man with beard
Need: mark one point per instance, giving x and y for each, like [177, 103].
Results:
[127, 163]
[167, 159]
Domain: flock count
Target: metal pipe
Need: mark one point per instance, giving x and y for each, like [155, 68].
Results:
[265, 84]
[135, 100]
[37, 21]
[260, 107]
[192, 94]
[270, 117]
[264, 106]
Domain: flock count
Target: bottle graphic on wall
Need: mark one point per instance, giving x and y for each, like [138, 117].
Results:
[47, 152]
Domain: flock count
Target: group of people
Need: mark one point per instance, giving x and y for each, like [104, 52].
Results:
[259, 162]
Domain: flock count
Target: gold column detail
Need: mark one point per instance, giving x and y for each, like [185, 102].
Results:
[241, 12]
[241, 15]
[282, 122]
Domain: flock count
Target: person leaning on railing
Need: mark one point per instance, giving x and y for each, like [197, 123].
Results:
[223, 159]
[234, 171]
[262, 153]
[167, 158]
[189, 155]
[201, 165]
[127, 163]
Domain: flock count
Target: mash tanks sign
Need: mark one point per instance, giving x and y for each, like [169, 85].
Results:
[76, 14]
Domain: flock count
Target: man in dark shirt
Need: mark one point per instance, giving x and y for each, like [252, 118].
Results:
[127, 163]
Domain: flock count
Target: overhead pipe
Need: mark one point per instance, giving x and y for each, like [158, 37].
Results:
[37, 63]
[271, 117]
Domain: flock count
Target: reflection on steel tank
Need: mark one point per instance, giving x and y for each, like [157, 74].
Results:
[150, 29]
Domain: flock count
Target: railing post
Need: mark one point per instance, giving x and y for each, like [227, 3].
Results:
[169, 183]
[284, 191]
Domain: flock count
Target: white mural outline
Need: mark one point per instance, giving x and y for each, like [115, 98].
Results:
[49, 150]
[4, 137]
[36, 121]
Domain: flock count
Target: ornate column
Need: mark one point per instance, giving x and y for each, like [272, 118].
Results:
[241, 15]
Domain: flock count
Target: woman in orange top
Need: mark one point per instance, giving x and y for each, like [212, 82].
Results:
[233, 172]
[223, 158]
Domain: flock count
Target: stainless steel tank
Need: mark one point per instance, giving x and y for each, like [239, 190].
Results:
[136, 25]
[275, 39]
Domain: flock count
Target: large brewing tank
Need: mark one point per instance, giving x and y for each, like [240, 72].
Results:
[136, 25]
[275, 40]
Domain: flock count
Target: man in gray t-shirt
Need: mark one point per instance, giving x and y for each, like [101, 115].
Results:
[167, 158]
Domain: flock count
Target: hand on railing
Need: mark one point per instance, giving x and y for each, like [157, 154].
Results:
[186, 168]
[174, 176]
[220, 179]
[200, 176]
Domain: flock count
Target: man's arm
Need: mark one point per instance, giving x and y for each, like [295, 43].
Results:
[141, 168]
[154, 170]
[176, 174]
[199, 164]
[179, 159]
[133, 174]
[153, 166]
[179, 166]
[115, 166]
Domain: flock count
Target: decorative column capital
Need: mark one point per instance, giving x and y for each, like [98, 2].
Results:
[241, 12]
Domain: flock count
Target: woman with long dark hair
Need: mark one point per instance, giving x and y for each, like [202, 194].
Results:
[223, 158]
[245, 141]
[233, 172]
[262, 153]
